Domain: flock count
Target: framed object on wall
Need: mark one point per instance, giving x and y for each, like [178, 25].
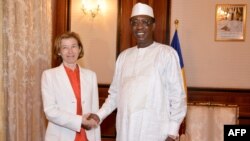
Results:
[230, 22]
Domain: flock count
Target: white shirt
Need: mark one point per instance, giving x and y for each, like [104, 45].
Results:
[148, 92]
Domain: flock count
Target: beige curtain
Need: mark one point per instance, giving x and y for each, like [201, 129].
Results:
[27, 45]
[2, 105]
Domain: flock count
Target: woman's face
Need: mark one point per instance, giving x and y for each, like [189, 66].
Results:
[69, 50]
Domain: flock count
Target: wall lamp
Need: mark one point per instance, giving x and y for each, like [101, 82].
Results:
[91, 7]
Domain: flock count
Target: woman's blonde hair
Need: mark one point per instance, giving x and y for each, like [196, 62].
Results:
[67, 35]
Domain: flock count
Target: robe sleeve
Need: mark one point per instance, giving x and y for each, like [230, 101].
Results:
[175, 91]
[110, 103]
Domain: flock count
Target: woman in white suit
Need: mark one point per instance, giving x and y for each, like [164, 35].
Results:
[69, 92]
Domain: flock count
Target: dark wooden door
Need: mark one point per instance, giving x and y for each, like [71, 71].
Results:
[60, 22]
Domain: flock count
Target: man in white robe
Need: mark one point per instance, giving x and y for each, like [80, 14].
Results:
[147, 88]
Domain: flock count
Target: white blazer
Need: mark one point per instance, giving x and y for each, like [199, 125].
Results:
[60, 104]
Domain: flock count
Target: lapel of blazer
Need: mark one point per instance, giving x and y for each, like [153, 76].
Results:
[66, 87]
[84, 86]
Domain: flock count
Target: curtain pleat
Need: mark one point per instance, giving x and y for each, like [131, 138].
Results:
[27, 36]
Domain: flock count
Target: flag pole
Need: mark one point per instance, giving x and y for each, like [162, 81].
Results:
[176, 22]
[182, 130]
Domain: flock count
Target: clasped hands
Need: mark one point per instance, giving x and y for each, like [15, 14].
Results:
[90, 121]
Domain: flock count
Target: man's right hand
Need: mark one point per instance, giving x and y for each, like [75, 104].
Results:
[88, 123]
[94, 117]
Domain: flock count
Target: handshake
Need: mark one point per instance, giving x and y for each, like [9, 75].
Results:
[90, 121]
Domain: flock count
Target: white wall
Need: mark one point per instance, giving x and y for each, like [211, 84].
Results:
[99, 38]
[210, 63]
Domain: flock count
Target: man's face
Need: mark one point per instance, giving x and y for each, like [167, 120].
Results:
[142, 28]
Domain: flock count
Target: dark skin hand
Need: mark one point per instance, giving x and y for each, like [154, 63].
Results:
[169, 139]
[91, 116]
[94, 117]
